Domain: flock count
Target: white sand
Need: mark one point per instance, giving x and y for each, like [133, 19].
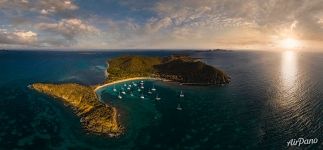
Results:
[129, 79]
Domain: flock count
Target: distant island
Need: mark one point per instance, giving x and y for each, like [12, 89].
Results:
[213, 50]
[101, 118]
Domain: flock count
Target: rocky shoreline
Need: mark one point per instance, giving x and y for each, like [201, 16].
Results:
[95, 116]
[100, 118]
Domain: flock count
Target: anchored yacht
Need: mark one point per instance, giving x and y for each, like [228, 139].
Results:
[142, 96]
[179, 107]
[153, 89]
[119, 96]
[157, 98]
[182, 94]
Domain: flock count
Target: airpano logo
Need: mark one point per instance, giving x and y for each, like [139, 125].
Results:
[301, 141]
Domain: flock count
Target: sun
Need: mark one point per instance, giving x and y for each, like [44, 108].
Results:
[290, 43]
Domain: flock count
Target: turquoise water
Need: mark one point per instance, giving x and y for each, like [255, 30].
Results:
[273, 97]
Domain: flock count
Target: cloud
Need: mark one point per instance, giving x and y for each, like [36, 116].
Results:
[17, 37]
[155, 24]
[204, 23]
[219, 21]
[44, 7]
[168, 23]
[69, 28]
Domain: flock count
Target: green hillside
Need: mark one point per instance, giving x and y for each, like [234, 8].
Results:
[182, 69]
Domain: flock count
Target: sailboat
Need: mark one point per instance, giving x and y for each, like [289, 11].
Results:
[119, 96]
[142, 96]
[157, 98]
[153, 89]
[182, 94]
[179, 107]
[149, 92]
[114, 88]
[123, 92]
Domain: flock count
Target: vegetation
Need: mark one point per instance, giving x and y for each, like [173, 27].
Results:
[182, 69]
[95, 116]
[101, 118]
[131, 66]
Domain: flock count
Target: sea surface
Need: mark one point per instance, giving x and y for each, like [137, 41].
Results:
[273, 97]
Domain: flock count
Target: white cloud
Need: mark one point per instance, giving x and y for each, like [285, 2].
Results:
[17, 37]
[44, 7]
[218, 21]
[69, 28]
[175, 23]
[155, 25]
[53, 6]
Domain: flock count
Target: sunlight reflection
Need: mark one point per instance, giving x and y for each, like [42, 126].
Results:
[288, 81]
[289, 70]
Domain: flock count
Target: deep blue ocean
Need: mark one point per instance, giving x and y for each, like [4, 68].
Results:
[273, 97]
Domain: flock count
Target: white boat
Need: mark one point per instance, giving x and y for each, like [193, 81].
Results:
[123, 92]
[142, 96]
[153, 89]
[114, 88]
[124, 84]
[119, 96]
[139, 89]
[179, 107]
[128, 88]
[142, 87]
[157, 98]
[131, 94]
[182, 94]
[149, 92]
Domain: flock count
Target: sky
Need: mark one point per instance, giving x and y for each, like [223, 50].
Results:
[161, 24]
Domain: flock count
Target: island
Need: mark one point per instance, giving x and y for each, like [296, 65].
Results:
[182, 69]
[213, 50]
[102, 118]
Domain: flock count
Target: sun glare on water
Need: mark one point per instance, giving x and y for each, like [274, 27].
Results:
[290, 43]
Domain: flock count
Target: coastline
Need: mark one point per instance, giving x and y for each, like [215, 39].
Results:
[96, 117]
[128, 79]
[100, 117]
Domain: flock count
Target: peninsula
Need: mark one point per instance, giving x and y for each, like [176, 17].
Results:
[96, 117]
[101, 118]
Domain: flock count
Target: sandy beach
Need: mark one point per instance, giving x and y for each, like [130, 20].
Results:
[129, 79]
